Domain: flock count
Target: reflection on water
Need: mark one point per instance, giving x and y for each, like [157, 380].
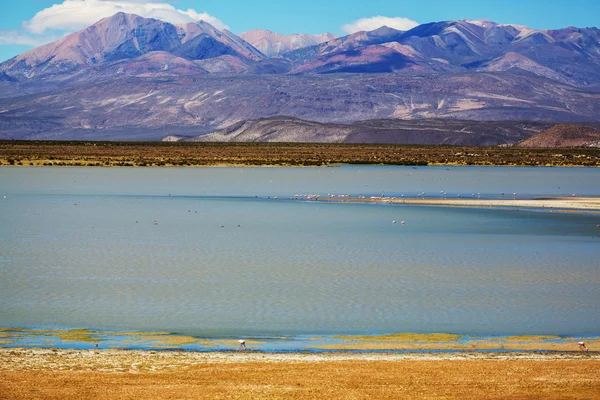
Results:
[194, 251]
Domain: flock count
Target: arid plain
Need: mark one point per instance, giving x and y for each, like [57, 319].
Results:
[121, 374]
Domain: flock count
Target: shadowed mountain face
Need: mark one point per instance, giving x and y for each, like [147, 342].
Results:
[127, 73]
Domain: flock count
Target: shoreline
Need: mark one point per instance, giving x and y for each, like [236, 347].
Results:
[442, 343]
[229, 164]
[19, 358]
[552, 203]
[66, 163]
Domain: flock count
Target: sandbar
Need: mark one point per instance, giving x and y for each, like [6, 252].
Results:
[552, 203]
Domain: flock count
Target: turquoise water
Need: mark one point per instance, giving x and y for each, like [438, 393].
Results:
[211, 252]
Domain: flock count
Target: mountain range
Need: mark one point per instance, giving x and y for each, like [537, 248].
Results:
[131, 73]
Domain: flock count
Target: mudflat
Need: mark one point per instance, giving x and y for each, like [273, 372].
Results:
[125, 374]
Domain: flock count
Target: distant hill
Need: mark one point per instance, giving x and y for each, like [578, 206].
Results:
[433, 131]
[564, 135]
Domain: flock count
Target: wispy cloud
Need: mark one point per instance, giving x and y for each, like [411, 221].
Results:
[19, 38]
[73, 15]
[369, 24]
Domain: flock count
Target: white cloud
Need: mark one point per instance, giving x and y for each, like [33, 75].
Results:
[14, 37]
[73, 15]
[369, 24]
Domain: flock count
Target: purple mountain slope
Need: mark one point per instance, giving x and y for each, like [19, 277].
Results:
[127, 37]
[128, 73]
[209, 103]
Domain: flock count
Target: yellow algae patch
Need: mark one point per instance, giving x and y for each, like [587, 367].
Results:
[166, 340]
[72, 335]
[10, 334]
[542, 342]
[400, 341]
[399, 346]
[405, 337]
[410, 343]
[526, 338]
[6, 341]
[138, 333]
[12, 329]
[75, 335]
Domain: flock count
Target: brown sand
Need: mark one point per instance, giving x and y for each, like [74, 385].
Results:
[120, 374]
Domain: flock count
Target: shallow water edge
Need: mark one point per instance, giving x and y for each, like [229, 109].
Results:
[397, 342]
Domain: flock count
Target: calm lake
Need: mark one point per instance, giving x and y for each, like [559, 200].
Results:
[211, 252]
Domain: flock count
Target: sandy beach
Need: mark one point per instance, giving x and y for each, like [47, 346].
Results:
[553, 203]
[125, 374]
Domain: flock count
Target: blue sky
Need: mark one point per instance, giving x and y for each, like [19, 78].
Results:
[27, 23]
